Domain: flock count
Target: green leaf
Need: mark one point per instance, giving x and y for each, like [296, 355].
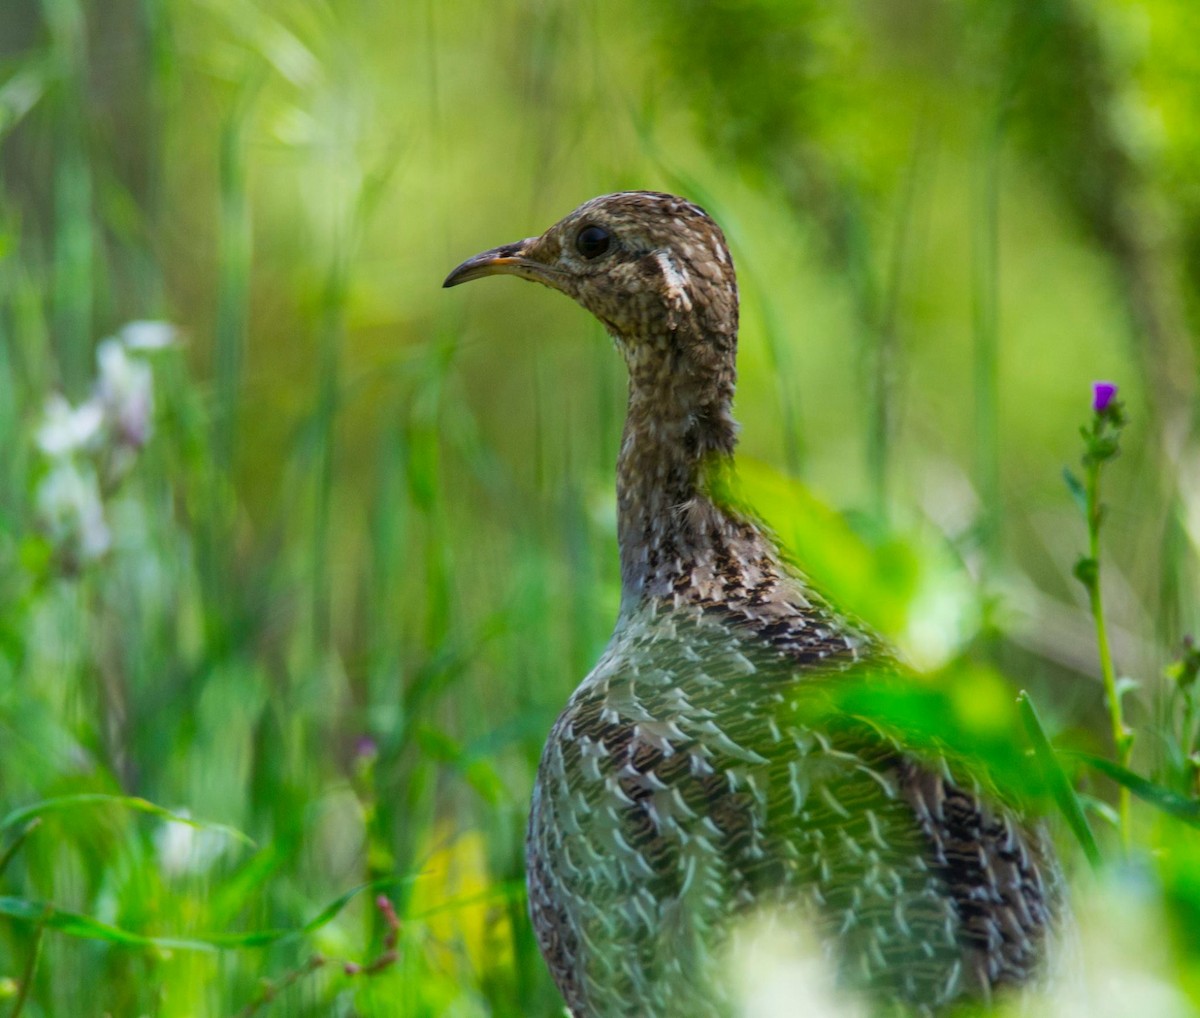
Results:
[7, 855]
[506, 891]
[877, 577]
[1087, 571]
[477, 771]
[1075, 487]
[1102, 809]
[1056, 778]
[67, 802]
[22, 91]
[1183, 672]
[1178, 806]
[1125, 685]
[76, 924]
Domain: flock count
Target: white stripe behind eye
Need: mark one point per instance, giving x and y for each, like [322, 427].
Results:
[677, 279]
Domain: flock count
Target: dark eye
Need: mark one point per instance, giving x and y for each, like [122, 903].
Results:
[593, 241]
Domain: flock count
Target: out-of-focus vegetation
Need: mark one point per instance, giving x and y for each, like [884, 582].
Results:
[290, 595]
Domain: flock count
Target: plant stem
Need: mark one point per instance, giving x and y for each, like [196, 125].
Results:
[1121, 735]
[18, 841]
[35, 952]
[985, 261]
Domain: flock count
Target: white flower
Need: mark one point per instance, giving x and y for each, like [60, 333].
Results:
[148, 335]
[777, 968]
[185, 848]
[69, 506]
[1116, 958]
[125, 388]
[66, 429]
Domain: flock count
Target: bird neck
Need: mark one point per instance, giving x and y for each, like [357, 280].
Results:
[679, 429]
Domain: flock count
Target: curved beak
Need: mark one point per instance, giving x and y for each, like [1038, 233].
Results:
[506, 260]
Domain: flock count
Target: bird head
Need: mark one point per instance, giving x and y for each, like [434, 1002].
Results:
[653, 268]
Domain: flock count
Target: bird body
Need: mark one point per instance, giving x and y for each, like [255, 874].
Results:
[682, 790]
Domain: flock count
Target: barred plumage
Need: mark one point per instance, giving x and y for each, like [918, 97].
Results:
[681, 790]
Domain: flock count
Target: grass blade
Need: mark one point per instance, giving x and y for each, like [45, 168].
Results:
[76, 924]
[65, 802]
[1170, 802]
[7, 855]
[1056, 779]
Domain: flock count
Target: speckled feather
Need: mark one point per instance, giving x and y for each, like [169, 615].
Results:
[679, 792]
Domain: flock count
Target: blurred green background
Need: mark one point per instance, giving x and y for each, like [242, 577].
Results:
[368, 547]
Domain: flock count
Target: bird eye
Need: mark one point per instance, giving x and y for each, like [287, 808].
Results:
[593, 241]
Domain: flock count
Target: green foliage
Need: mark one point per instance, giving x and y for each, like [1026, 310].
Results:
[892, 580]
[1060, 786]
[296, 642]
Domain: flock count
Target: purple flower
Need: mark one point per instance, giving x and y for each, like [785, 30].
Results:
[1103, 393]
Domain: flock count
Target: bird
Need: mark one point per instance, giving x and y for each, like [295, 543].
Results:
[680, 792]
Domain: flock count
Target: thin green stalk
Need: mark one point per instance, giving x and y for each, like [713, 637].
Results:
[18, 841]
[362, 192]
[986, 265]
[884, 338]
[330, 336]
[1122, 737]
[235, 238]
[74, 283]
[1101, 444]
[31, 964]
